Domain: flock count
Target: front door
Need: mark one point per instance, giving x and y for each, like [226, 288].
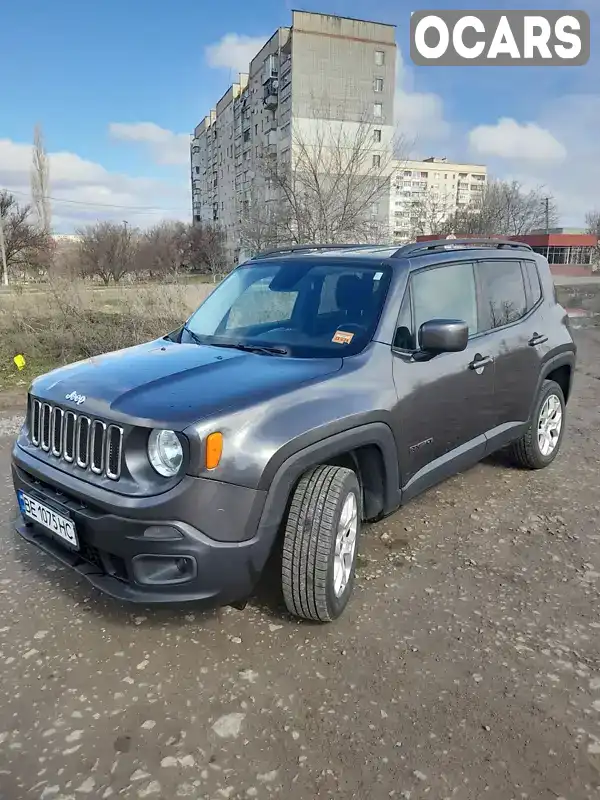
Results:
[445, 403]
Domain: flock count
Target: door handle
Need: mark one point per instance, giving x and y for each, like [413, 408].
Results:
[481, 361]
[536, 339]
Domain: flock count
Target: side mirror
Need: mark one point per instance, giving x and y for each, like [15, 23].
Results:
[443, 336]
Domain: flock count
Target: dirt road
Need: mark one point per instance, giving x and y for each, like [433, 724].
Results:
[468, 665]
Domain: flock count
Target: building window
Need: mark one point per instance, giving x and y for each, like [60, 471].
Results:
[374, 209]
[376, 160]
[256, 130]
[379, 58]
[197, 217]
[197, 170]
[377, 135]
[377, 110]
[378, 85]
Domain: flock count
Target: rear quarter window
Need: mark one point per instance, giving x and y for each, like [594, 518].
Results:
[534, 284]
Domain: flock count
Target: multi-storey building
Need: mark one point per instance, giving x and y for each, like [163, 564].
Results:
[424, 193]
[322, 71]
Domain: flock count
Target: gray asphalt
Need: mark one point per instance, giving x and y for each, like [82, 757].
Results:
[467, 666]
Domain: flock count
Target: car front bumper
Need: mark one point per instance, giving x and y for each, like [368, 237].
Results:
[128, 546]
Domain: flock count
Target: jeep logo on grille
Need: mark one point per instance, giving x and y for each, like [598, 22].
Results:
[76, 398]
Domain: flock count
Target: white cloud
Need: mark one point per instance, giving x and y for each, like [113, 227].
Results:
[419, 116]
[165, 146]
[92, 190]
[234, 51]
[574, 177]
[513, 140]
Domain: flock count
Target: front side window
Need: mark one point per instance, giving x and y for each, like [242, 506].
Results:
[306, 309]
[446, 292]
[377, 110]
[503, 292]
[379, 58]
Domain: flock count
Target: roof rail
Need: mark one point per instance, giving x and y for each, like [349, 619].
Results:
[432, 245]
[306, 248]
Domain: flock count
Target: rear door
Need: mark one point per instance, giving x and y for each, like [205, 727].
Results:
[511, 316]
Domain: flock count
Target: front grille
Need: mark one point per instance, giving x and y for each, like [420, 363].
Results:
[76, 438]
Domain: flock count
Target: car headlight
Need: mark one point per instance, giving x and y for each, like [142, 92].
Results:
[165, 452]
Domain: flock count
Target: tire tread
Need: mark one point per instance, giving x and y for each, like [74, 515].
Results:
[309, 530]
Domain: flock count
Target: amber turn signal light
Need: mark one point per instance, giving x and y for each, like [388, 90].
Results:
[214, 449]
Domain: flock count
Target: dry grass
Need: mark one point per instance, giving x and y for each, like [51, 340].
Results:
[70, 321]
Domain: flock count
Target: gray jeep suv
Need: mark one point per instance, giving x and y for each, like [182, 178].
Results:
[314, 389]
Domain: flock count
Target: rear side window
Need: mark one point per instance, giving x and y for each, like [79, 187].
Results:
[534, 285]
[503, 295]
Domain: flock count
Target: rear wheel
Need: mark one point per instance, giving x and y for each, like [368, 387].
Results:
[320, 543]
[541, 442]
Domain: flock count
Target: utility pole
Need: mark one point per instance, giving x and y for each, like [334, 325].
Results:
[546, 203]
[3, 253]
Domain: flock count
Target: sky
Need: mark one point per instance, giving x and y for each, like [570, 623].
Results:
[119, 86]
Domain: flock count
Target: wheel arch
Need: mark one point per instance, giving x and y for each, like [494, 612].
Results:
[369, 449]
[561, 366]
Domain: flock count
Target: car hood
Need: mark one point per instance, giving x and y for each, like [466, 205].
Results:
[167, 384]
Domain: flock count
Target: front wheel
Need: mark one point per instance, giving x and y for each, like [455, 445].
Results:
[541, 442]
[320, 543]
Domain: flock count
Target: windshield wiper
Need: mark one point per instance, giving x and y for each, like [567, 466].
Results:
[253, 348]
[248, 348]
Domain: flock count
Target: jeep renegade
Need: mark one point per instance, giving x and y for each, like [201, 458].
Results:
[314, 389]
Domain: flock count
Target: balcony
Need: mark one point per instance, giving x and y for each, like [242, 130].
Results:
[271, 89]
[270, 68]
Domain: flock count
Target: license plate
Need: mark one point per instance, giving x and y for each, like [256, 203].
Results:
[60, 526]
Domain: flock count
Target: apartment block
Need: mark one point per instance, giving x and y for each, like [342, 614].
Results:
[321, 72]
[424, 193]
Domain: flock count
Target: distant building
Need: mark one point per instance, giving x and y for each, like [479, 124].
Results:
[61, 238]
[429, 191]
[322, 70]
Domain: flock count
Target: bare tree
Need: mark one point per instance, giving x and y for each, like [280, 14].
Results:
[162, 249]
[262, 225]
[40, 181]
[206, 251]
[24, 245]
[333, 184]
[592, 222]
[429, 213]
[505, 209]
[108, 251]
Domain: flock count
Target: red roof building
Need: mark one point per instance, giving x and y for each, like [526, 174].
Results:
[567, 253]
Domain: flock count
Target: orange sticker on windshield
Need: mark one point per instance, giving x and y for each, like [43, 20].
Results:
[342, 337]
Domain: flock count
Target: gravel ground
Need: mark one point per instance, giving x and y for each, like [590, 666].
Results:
[467, 666]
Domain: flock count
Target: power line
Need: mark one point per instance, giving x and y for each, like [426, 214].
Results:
[97, 205]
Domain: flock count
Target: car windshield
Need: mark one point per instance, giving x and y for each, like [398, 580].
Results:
[298, 308]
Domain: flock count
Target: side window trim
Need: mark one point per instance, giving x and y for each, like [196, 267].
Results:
[407, 296]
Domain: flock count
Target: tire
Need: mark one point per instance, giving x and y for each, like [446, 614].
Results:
[527, 451]
[308, 570]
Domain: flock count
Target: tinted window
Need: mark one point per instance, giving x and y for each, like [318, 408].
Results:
[445, 293]
[535, 288]
[503, 292]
